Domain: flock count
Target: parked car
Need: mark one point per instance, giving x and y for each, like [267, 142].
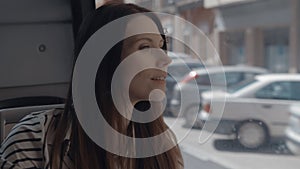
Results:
[176, 71]
[177, 55]
[293, 130]
[254, 111]
[202, 80]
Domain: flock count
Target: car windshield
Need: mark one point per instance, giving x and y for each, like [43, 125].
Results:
[241, 85]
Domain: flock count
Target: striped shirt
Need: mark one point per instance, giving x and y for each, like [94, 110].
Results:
[29, 143]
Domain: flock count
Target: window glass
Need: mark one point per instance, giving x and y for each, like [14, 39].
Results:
[203, 80]
[241, 85]
[249, 75]
[179, 71]
[277, 90]
[295, 90]
[215, 79]
[233, 78]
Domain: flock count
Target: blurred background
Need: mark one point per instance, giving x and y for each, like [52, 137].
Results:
[262, 33]
[260, 125]
[258, 42]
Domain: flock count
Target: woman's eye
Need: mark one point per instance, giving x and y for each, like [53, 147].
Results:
[144, 47]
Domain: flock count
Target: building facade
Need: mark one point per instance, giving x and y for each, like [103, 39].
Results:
[261, 33]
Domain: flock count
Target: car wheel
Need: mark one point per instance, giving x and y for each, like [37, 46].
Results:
[252, 134]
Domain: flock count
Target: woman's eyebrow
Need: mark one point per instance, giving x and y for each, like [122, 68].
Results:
[137, 39]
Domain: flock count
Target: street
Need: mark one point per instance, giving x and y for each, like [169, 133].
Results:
[220, 153]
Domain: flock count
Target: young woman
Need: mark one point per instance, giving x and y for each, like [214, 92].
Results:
[55, 138]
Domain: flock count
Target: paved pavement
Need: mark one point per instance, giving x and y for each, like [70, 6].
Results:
[218, 152]
[192, 162]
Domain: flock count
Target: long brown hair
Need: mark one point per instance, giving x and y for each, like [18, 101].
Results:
[84, 152]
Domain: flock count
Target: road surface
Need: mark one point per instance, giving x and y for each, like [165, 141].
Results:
[219, 152]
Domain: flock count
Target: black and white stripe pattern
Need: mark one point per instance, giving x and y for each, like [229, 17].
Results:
[29, 143]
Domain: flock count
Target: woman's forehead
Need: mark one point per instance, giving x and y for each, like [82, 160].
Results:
[141, 24]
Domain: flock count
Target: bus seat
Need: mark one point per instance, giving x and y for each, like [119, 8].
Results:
[10, 116]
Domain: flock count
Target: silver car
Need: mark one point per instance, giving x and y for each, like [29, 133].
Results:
[254, 111]
[202, 79]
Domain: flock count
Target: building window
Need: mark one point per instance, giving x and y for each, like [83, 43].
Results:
[276, 42]
[235, 43]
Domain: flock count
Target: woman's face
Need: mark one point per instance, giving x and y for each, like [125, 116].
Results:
[146, 49]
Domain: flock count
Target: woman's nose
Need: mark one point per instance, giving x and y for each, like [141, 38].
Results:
[163, 59]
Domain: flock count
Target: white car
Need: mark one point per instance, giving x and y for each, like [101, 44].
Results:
[187, 92]
[254, 111]
[293, 130]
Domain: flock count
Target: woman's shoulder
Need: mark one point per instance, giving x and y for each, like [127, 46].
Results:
[42, 115]
[25, 143]
[36, 121]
